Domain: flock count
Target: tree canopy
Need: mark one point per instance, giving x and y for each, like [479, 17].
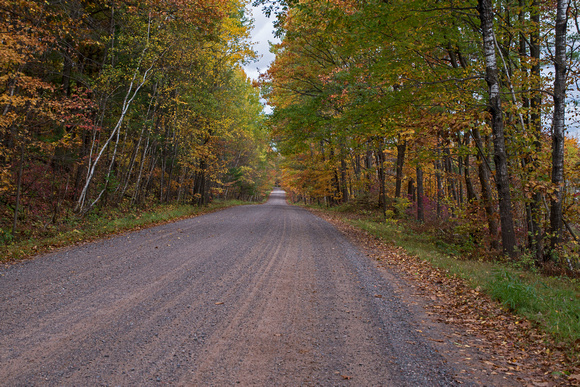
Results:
[126, 103]
[463, 102]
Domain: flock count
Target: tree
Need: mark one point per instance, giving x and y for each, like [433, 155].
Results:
[433, 85]
[128, 103]
[502, 178]
[558, 124]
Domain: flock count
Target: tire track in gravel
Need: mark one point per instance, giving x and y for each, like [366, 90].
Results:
[252, 295]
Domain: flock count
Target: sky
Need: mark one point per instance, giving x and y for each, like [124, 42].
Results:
[262, 34]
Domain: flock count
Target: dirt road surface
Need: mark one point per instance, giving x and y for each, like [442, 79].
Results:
[254, 295]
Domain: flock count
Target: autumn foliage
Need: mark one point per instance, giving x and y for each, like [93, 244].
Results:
[442, 111]
[124, 103]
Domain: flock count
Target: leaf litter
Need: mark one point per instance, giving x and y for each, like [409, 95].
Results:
[507, 344]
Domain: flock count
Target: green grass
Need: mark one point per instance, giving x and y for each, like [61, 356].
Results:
[554, 303]
[98, 224]
[551, 302]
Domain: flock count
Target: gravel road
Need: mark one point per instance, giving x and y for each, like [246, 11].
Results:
[253, 295]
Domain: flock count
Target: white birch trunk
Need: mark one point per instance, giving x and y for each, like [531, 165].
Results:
[502, 180]
[129, 97]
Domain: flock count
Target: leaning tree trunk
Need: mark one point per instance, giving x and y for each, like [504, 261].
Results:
[131, 165]
[558, 122]
[508, 237]
[129, 97]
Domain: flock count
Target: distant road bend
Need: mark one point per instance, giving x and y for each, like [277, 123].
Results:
[253, 295]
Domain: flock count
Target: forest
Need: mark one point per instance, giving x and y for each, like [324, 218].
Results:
[122, 104]
[458, 115]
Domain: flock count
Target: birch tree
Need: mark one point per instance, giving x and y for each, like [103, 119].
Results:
[502, 178]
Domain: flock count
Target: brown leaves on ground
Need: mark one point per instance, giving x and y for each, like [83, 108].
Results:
[508, 344]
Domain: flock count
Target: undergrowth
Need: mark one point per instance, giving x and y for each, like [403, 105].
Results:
[552, 302]
[99, 223]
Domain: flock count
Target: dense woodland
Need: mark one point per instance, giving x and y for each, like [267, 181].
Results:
[449, 112]
[125, 103]
[453, 113]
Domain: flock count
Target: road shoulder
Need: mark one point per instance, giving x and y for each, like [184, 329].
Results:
[482, 341]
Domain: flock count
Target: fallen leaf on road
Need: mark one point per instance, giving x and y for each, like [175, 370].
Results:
[219, 303]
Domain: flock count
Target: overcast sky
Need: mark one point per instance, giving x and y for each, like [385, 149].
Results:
[261, 35]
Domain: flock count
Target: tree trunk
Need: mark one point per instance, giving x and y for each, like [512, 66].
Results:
[471, 195]
[451, 186]
[368, 165]
[532, 102]
[131, 165]
[182, 184]
[108, 178]
[488, 205]
[401, 148]
[558, 127]
[335, 182]
[485, 179]
[171, 169]
[201, 186]
[343, 184]
[18, 190]
[502, 179]
[420, 209]
[537, 235]
[439, 185]
[129, 97]
[381, 172]
[153, 162]
[411, 190]
[142, 164]
[356, 168]
[460, 197]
